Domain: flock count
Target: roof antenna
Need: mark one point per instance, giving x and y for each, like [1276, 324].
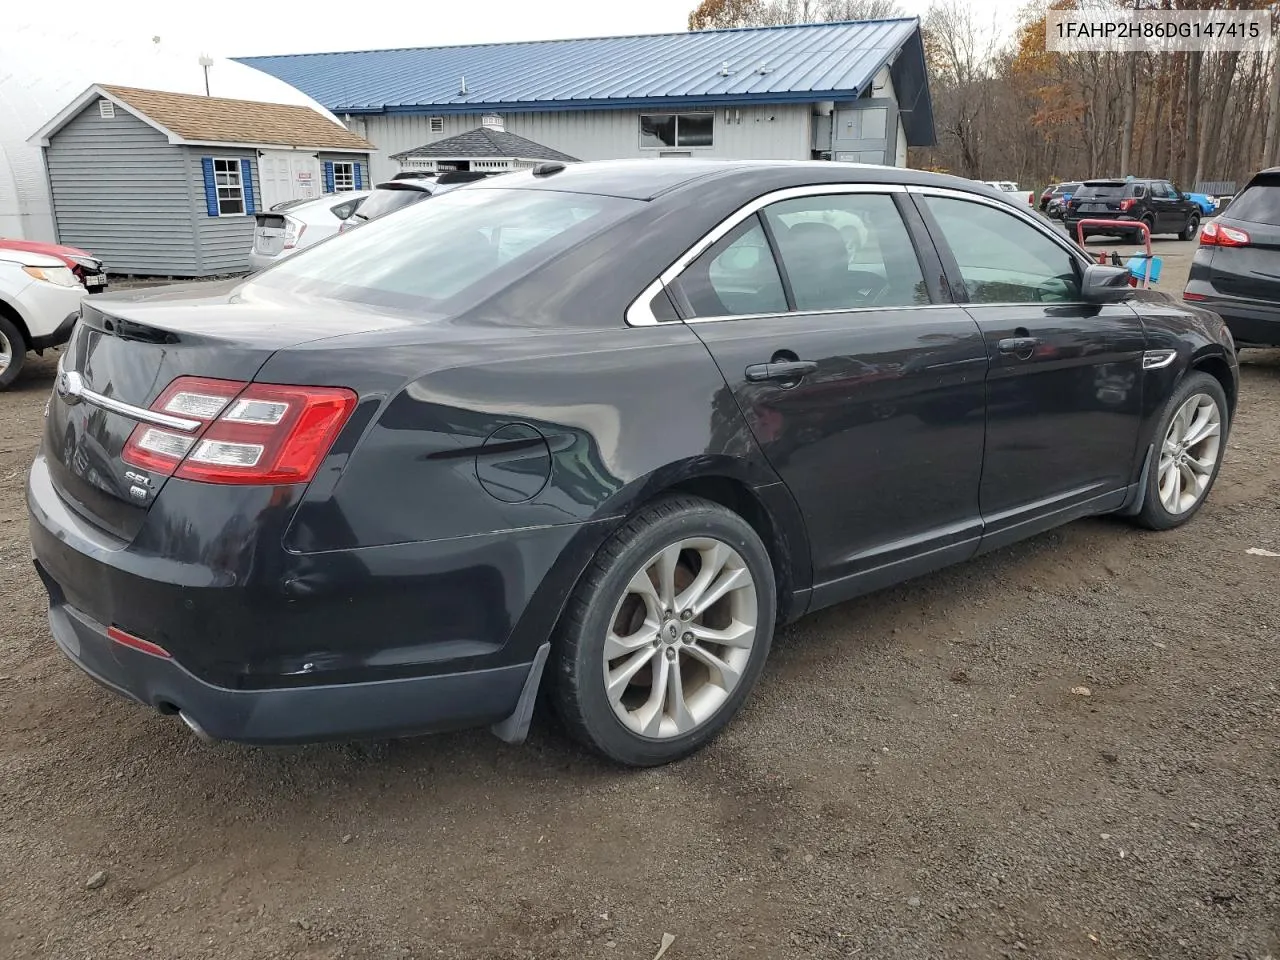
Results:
[462, 92]
[206, 62]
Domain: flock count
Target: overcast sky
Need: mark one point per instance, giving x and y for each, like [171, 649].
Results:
[262, 28]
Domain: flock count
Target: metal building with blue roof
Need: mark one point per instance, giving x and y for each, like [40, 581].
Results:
[854, 91]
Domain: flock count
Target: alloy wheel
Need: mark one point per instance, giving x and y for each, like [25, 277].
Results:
[6, 352]
[1189, 454]
[680, 638]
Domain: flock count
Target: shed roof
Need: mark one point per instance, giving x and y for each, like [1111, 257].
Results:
[188, 118]
[796, 63]
[485, 142]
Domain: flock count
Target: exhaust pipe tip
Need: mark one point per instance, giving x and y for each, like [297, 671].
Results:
[195, 728]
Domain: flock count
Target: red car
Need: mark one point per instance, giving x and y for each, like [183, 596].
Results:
[88, 268]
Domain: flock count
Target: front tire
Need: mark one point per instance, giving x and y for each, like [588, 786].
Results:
[1189, 231]
[13, 352]
[1190, 438]
[666, 634]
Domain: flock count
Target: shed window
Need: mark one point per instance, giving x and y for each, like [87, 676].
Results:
[230, 186]
[344, 176]
[676, 129]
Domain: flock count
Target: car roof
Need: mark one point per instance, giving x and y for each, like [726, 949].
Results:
[651, 178]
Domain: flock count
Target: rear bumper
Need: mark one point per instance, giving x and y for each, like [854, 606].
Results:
[1251, 323]
[60, 335]
[290, 714]
[260, 261]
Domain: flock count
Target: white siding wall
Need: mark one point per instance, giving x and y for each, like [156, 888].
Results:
[777, 132]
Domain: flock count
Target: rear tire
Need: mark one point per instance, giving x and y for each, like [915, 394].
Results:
[1151, 228]
[637, 678]
[1190, 439]
[13, 352]
[1189, 231]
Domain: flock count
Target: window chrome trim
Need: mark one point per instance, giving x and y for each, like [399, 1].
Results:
[639, 313]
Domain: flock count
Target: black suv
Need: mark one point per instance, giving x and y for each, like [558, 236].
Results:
[1157, 203]
[1236, 270]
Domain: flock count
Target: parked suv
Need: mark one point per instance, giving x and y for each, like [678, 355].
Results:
[1234, 271]
[1157, 203]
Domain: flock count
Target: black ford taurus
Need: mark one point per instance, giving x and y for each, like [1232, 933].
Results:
[592, 430]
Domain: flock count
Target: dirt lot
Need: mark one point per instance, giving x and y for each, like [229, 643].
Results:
[913, 779]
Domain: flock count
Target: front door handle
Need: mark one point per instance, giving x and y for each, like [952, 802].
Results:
[784, 370]
[1020, 347]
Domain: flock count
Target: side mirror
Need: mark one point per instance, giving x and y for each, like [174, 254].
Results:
[1104, 284]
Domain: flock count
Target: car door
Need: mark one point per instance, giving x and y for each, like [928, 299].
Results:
[1064, 387]
[863, 390]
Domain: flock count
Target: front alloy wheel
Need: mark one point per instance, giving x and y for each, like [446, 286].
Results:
[666, 633]
[1190, 441]
[12, 352]
[1190, 453]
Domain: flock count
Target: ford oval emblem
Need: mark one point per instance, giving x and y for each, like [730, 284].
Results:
[70, 387]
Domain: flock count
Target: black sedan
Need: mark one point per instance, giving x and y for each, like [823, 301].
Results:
[594, 430]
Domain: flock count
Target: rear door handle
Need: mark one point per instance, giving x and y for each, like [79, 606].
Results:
[1020, 347]
[783, 370]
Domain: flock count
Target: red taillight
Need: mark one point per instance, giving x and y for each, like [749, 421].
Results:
[137, 643]
[1217, 235]
[1127, 204]
[242, 433]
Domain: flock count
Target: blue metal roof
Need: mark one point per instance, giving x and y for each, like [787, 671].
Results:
[798, 63]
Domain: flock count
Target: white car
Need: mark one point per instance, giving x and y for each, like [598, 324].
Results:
[39, 304]
[287, 228]
[1009, 187]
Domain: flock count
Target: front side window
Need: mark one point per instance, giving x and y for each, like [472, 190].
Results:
[736, 276]
[344, 176]
[229, 185]
[462, 245]
[1002, 258]
[846, 251]
[676, 129]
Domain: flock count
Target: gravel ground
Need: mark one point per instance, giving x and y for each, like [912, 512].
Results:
[914, 778]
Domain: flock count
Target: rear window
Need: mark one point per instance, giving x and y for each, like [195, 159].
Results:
[1259, 203]
[1105, 191]
[345, 209]
[382, 202]
[1066, 188]
[469, 241]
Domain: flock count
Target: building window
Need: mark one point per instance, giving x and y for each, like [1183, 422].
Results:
[676, 129]
[344, 176]
[437, 124]
[230, 186]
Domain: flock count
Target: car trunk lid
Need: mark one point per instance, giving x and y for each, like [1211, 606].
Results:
[1097, 198]
[269, 234]
[122, 356]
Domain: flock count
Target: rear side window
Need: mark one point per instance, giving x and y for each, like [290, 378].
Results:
[736, 276]
[471, 241]
[1002, 258]
[845, 251]
[382, 202]
[345, 209]
[1259, 203]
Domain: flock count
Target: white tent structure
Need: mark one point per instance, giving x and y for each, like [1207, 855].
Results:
[44, 67]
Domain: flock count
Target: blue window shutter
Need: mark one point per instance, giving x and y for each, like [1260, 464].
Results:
[246, 178]
[210, 190]
[328, 176]
[359, 167]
